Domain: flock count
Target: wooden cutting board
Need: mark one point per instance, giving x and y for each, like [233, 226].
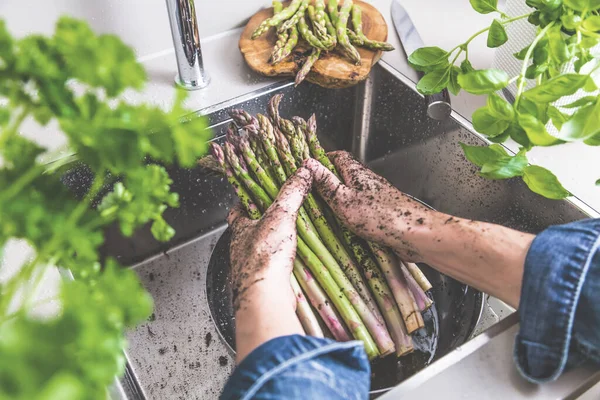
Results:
[332, 70]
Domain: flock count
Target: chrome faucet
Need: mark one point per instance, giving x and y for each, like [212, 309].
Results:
[184, 28]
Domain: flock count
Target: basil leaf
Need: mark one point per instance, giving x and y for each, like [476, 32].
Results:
[598, 182]
[497, 35]
[570, 21]
[590, 85]
[427, 57]
[592, 23]
[483, 81]
[538, 110]
[584, 101]
[479, 155]
[533, 71]
[582, 5]
[541, 53]
[434, 81]
[555, 88]
[504, 167]
[500, 108]
[536, 131]
[501, 138]
[558, 118]
[588, 42]
[543, 182]
[484, 6]
[593, 141]
[584, 124]
[517, 134]
[453, 85]
[466, 66]
[522, 53]
[487, 123]
[559, 52]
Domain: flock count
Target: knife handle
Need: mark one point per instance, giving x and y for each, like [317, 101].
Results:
[438, 105]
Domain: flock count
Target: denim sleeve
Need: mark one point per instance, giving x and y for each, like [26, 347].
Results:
[301, 367]
[559, 309]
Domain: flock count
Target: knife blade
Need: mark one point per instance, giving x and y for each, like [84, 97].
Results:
[438, 105]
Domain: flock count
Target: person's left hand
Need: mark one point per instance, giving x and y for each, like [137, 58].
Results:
[262, 251]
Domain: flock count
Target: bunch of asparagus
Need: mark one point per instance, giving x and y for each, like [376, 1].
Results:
[322, 28]
[346, 287]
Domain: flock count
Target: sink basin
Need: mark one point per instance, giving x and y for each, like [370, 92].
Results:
[178, 353]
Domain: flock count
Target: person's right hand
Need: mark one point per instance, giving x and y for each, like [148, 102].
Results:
[369, 205]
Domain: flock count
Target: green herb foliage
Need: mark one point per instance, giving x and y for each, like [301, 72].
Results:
[74, 80]
[566, 31]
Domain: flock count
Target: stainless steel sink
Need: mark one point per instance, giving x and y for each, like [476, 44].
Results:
[178, 354]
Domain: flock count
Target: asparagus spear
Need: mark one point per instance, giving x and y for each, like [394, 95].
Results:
[277, 7]
[330, 28]
[307, 318]
[308, 232]
[383, 294]
[357, 24]
[336, 247]
[282, 39]
[318, 268]
[342, 32]
[332, 8]
[320, 302]
[423, 301]
[318, 23]
[368, 43]
[419, 276]
[295, 18]
[411, 314]
[278, 18]
[307, 66]
[308, 35]
[305, 315]
[287, 49]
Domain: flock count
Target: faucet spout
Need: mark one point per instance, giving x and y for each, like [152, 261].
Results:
[184, 28]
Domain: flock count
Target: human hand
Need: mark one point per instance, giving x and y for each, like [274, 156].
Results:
[262, 251]
[369, 205]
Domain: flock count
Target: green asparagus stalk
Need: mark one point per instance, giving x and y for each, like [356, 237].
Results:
[305, 315]
[295, 18]
[342, 32]
[309, 36]
[278, 18]
[383, 294]
[307, 66]
[330, 28]
[320, 302]
[332, 8]
[357, 24]
[308, 232]
[277, 7]
[350, 280]
[282, 39]
[242, 194]
[318, 23]
[419, 276]
[405, 300]
[314, 263]
[423, 301]
[368, 43]
[287, 49]
[331, 240]
[307, 318]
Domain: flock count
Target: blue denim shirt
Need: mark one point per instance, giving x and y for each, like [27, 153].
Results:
[559, 315]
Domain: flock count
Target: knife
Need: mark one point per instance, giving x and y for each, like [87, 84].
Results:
[438, 105]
